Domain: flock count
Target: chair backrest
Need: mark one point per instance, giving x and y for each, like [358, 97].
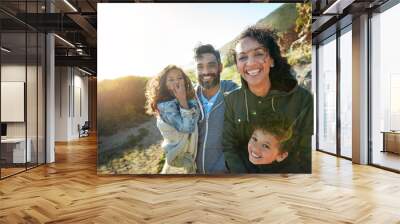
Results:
[86, 125]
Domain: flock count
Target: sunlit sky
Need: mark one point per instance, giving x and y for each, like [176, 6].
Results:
[143, 38]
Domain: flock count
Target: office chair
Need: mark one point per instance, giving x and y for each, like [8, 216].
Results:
[84, 130]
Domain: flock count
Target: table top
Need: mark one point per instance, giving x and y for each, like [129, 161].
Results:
[13, 140]
[391, 132]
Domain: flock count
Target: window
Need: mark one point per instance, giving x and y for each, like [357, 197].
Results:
[327, 96]
[346, 93]
[385, 87]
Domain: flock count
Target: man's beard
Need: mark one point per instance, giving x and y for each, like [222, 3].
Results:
[214, 81]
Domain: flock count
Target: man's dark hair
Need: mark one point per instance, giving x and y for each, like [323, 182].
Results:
[268, 39]
[206, 48]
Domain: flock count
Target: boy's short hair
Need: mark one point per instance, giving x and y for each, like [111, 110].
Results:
[277, 125]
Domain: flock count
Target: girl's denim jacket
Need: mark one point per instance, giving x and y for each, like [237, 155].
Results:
[183, 120]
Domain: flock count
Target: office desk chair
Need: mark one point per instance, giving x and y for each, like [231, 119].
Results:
[84, 130]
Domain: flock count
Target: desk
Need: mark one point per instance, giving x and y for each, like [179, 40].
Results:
[391, 141]
[16, 147]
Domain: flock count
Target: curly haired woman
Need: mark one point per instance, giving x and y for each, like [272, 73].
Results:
[267, 85]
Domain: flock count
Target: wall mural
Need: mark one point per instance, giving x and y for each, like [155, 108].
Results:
[204, 88]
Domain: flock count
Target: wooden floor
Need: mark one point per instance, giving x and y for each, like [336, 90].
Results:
[69, 191]
[10, 171]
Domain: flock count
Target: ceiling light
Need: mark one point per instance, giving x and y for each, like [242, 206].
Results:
[5, 50]
[337, 7]
[65, 41]
[84, 71]
[79, 51]
[70, 5]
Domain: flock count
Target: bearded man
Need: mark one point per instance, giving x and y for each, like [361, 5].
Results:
[210, 92]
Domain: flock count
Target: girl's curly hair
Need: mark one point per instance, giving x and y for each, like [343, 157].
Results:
[157, 91]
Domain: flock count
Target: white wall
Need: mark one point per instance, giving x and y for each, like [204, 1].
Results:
[12, 73]
[61, 103]
[71, 87]
[80, 110]
[13, 100]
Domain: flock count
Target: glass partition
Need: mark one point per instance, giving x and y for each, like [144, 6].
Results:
[13, 94]
[327, 96]
[22, 88]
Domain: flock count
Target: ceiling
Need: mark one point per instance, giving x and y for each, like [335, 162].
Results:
[330, 15]
[73, 21]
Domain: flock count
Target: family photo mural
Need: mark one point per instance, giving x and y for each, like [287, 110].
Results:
[217, 88]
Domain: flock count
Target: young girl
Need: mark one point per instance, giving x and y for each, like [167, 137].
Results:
[171, 98]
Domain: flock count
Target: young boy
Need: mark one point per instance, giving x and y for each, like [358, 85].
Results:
[269, 142]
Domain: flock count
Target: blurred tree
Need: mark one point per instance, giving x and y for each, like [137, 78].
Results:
[300, 50]
[303, 21]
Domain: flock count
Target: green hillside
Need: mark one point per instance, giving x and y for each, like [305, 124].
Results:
[283, 19]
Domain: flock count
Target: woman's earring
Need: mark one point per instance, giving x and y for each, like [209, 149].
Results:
[272, 65]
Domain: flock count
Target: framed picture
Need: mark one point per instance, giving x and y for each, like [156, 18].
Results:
[215, 88]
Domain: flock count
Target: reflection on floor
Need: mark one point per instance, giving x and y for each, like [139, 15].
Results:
[346, 152]
[386, 159]
[10, 169]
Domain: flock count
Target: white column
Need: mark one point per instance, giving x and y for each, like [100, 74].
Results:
[50, 93]
[360, 90]
[50, 100]
[313, 89]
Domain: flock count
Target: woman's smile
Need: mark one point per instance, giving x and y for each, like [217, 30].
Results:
[253, 72]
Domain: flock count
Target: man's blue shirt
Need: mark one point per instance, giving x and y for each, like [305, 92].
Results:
[208, 104]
